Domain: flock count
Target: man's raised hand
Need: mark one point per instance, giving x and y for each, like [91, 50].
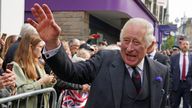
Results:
[46, 26]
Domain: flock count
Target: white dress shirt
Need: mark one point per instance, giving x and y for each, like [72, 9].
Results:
[139, 68]
[181, 63]
[152, 54]
[50, 53]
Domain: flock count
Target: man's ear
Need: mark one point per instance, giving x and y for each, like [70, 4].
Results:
[150, 47]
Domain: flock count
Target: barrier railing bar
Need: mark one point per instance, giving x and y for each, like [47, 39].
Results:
[29, 94]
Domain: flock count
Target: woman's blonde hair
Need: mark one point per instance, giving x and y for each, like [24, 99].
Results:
[24, 55]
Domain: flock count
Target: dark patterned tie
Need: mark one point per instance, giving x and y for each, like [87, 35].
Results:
[136, 78]
[149, 55]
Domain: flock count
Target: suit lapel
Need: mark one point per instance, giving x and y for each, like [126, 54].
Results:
[189, 58]
[117, 75]
[156, 91]
[177, 58]
[177, 66]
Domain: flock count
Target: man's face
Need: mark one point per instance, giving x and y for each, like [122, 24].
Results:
[184, 46]
[74, 49]
[133, 45]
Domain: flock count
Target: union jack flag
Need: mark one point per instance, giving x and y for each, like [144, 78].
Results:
[74, 99]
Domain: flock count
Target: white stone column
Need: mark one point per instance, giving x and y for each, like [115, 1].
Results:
[11, 16]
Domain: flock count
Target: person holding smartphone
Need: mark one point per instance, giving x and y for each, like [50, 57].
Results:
[7, 83]
[30, 73]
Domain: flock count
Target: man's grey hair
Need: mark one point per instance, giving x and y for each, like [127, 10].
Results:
[28, 29]
[74, 42]
[140, 21]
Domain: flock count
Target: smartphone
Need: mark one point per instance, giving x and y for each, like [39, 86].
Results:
[4, 35]
[9, 66]
[1, 72]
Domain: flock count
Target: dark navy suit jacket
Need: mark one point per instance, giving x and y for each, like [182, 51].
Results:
[175, 72]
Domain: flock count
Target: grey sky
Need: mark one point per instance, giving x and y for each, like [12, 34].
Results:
[177, 9]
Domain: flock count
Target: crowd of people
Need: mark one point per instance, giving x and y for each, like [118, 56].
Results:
[132, 74]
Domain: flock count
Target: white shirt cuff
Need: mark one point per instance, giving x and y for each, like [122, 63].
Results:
[50, 53]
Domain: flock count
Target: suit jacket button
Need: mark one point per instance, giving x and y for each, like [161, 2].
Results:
[47, 55]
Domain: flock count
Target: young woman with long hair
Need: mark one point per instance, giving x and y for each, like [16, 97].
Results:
[30, 73]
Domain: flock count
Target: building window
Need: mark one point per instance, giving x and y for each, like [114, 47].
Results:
[161, 14]
[155, 7]
[148, 4]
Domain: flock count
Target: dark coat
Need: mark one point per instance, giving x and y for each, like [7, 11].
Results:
[162, 59]
[105, 71]
[175, 72]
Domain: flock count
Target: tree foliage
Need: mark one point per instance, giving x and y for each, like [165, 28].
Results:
[168, 43]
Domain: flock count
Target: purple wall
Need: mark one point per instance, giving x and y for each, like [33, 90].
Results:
[133, 8]
[130, 7]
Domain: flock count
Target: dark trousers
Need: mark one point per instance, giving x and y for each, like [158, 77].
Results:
[182, 91]
[190, 98]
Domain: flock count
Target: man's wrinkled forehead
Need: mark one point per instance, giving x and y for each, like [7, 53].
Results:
[136, 29]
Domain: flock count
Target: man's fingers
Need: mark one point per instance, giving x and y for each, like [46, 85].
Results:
[47, 11]
[49, 15]
[36, 15]
[32, 22]
[40, 12]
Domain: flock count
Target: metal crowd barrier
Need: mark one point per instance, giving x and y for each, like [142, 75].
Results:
[8, 101]
[60, 100]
